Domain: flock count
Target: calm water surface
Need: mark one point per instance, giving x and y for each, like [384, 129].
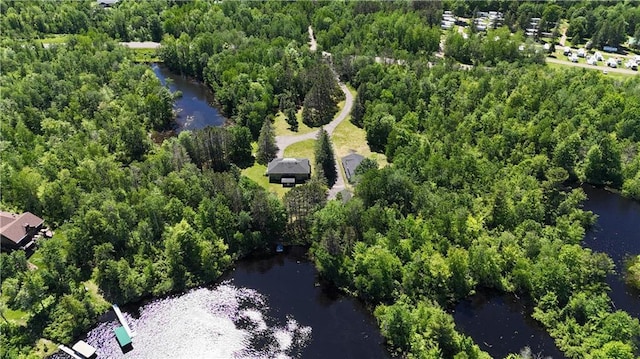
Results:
[195, 109]
[265, 308]
[501, 324]
[617, 233]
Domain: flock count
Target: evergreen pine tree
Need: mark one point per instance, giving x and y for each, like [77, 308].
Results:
[267, 148]
[357, 112]
[292, 120]
[325, 158]
[321, 102]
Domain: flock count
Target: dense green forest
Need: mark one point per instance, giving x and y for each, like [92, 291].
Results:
[480, 191]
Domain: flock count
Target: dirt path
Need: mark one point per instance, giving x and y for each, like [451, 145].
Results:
[141, 44]
[563, 39]
[313, 45]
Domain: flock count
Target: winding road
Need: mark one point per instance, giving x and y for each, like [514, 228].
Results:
[285, 141]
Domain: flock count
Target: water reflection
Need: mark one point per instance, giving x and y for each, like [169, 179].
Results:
[501, 324]
[342, 327]
[194, 107]
[617, 233]
[223, 322]
[265, 308]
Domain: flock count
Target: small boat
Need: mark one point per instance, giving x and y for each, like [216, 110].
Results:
[123, 337]
[84, 349]
[279, 248]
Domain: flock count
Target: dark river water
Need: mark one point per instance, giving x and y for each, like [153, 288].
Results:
[276, 308]
[617, 233]
[195, 109]
[264, 308]
[501, 324]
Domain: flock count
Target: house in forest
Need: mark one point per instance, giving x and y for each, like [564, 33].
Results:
[350, 162]
[19, 231]
[289, 171]
[107, 3]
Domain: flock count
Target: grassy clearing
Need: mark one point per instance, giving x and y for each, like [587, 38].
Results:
[15, 316]
[256, 173]
[54, 39]
[101, 304]
[302, 149]
[36, 259]
[348, 138]
[616, 75]
[282, 127]
[146, 55]
[44, 348]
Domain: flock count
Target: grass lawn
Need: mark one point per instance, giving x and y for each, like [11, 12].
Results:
[282, 127]
[302, 149]
[44, 348]
[36, 259]
[256, 173]
[54, 39]
[16, 316]
[617, 75]
[146, 55]
[101, 304]
[348, 138]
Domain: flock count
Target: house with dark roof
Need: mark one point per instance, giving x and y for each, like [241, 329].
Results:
[17, 231]
[289, 171]
[350, 162]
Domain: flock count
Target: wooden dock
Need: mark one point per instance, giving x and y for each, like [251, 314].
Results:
[124, 323]
[69, 351]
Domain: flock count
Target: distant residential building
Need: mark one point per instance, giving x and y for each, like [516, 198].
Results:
[19, 231]
[350, 162]
[107, 3]
[289, 171]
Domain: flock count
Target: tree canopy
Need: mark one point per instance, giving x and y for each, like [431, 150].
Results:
[480, 191]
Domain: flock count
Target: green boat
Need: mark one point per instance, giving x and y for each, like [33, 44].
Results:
[123, 338]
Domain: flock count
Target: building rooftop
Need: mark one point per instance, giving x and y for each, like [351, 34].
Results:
[350, 162]
[289, 166]
[14, 226]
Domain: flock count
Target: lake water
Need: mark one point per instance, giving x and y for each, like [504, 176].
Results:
[195, 108]
[264, 308]
[617, 233]
[502, 324]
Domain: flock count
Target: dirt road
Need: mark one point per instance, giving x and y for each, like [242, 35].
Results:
[141, 44]
[285, 141]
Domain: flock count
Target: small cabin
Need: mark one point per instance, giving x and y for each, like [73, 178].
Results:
[289, 171]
